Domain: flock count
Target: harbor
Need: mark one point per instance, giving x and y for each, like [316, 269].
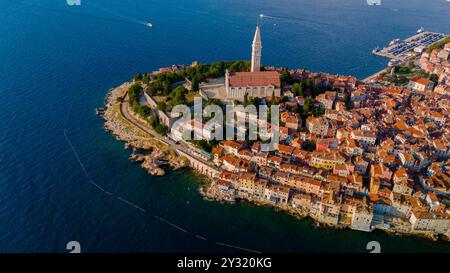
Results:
[401, 50]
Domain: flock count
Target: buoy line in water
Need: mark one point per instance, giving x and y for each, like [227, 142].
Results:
[127, 202]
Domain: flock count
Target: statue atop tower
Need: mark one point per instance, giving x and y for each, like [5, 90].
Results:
[256, 51]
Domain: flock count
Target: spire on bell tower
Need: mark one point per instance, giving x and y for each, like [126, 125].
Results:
[256, 51]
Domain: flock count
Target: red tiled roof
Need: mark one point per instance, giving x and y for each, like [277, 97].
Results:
[263, 78]
[422, 81]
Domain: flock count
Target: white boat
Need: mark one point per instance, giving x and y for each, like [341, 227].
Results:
[149, 24]
[420, 30]
[394, 42]
[393, 62]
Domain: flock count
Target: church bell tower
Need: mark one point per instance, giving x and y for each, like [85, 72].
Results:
[256, 51]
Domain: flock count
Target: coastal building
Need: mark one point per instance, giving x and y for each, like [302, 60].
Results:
[235, 164]
[232, 146]
[327, 99]
[426, 221]
[260, 188]
[317, 125]
[364, 137]
[247, 182]
[261, 84]
[401, 205]
[326, 160]
[255, 83]
[402, 184]
[291, 120]
[420, 85]
[444, 55]
[362, 218]
[301, 201]
[277, 194]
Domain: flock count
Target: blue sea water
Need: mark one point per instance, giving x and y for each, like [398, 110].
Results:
[57, 63]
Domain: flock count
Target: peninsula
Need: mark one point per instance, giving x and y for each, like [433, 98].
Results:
[352, 154]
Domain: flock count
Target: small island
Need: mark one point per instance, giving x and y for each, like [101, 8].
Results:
[365, 155]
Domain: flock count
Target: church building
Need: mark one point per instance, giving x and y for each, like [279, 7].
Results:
[255, 83]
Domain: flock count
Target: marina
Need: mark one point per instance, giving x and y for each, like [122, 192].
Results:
[402, 50]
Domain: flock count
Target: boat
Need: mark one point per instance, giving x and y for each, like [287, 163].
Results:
[375, 50]
[393, 62]
[99, 111]
[420, 30]
[149, 24]
[394, 42]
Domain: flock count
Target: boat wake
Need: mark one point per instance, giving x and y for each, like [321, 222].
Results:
[112, 17]
[292, 20]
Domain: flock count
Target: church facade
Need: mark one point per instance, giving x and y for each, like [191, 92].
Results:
[255, 83]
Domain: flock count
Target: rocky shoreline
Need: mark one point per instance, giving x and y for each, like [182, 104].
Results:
[153, 154]
[211, 193]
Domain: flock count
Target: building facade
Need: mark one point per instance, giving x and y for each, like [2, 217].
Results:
[255, 83]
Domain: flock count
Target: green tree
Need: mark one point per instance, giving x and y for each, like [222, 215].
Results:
[178, 96]
[133, 94]
[161, 106]
[434, 78]
[286, 76]
[146, 79]
[309, 145]
[404, 70]
[161, 129]
[308, 106]
[137, 77]
[213, 102]
[246, 99]
[298, 89]
[254, 101]
[153, 121]
[284, 99]
[347, 100]
[195, 84]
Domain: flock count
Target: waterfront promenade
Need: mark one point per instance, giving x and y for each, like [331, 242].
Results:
[373, 76]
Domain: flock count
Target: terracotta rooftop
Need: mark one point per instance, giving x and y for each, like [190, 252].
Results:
[263, 78]
[422, 81]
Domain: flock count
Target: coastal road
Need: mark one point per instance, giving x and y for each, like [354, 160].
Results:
[124, 111]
